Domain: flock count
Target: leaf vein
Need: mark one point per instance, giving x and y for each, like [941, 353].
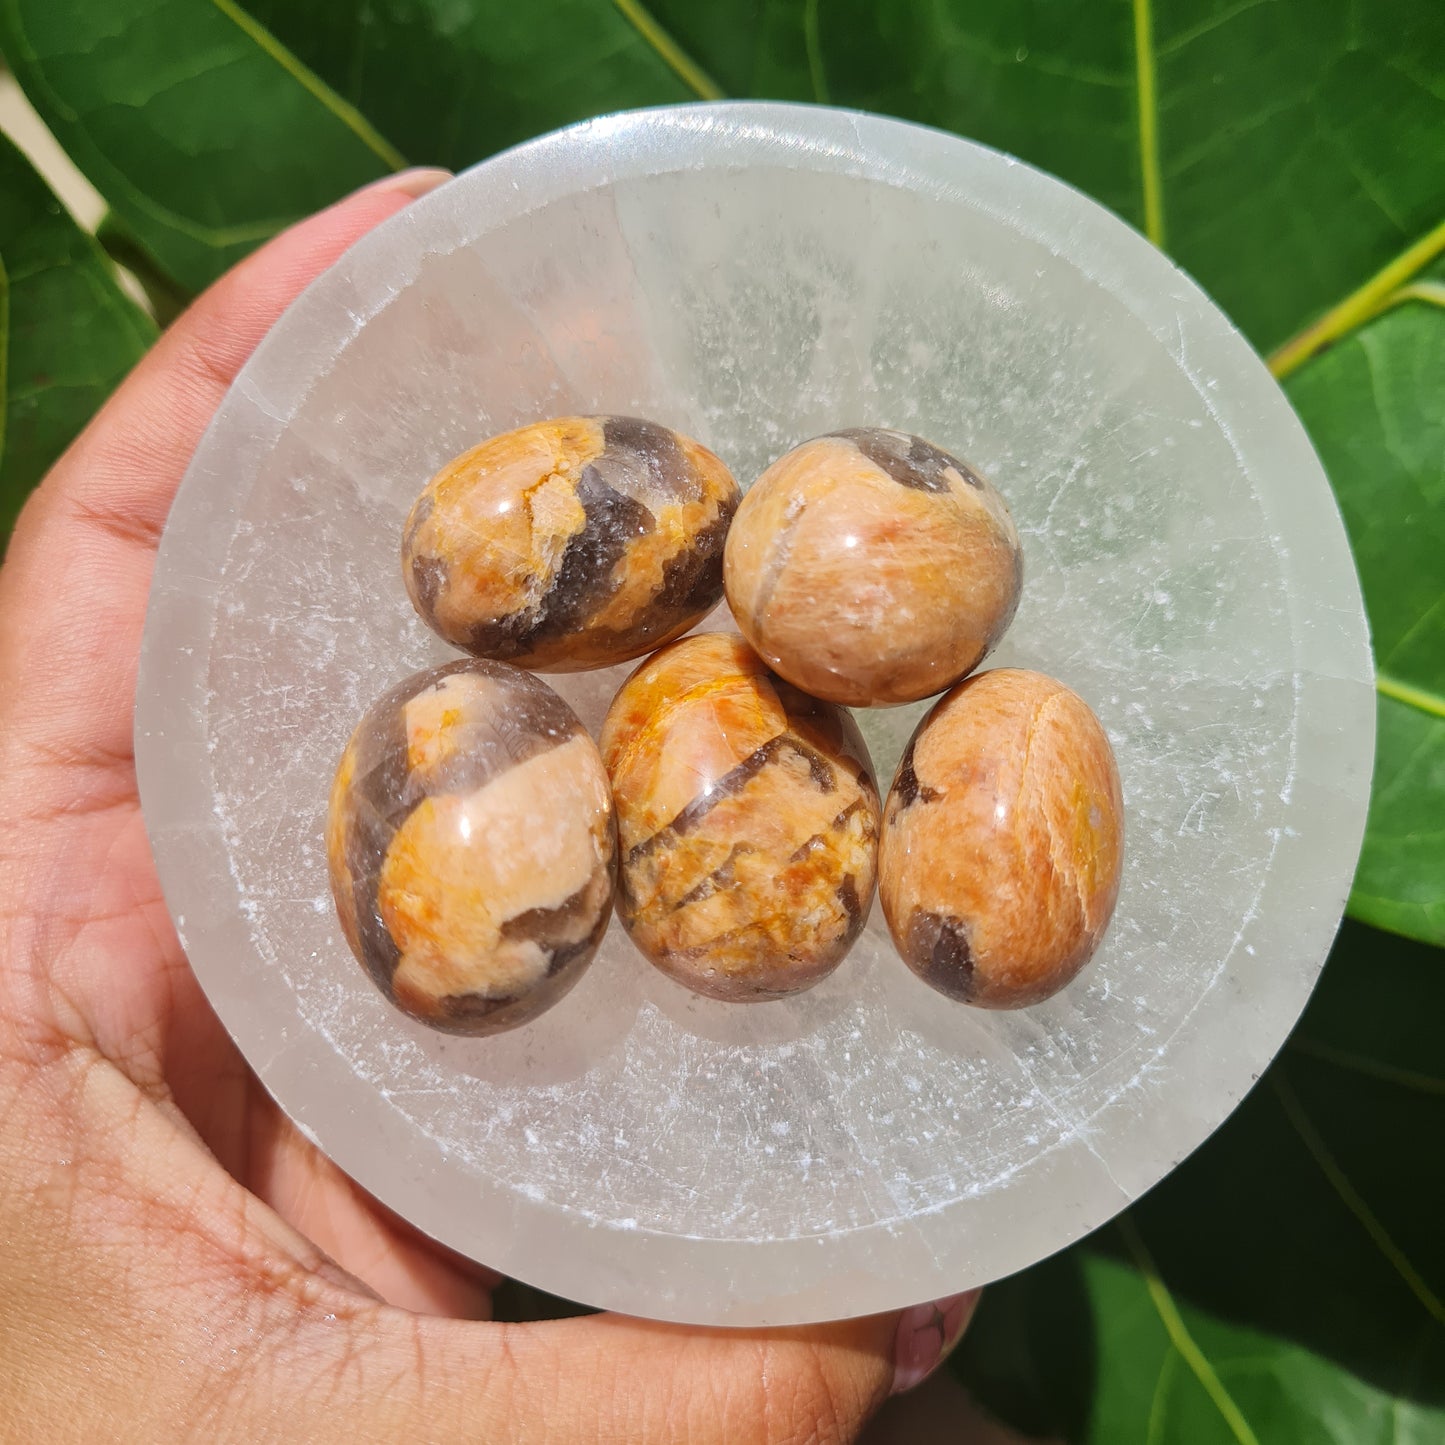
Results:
[1179, 1335]
[1351, 1198]
[1167, 1367]
[1361, 305]
[669, 51]
[1363, 1064]
[312, 83]
[1178, 42]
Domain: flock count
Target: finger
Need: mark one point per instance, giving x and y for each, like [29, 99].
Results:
[73, 589]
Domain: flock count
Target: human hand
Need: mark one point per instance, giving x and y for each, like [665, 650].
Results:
[176, 1261]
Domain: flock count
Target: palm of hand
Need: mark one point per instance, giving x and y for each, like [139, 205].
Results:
[124, 1070]
[118, 993]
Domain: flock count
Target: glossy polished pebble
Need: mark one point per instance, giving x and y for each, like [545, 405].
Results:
[748, 822]
[1003, 839]
[570, 544]
[471, 846]
[871, 568]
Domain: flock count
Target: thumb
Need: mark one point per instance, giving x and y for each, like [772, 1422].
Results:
[613, 1380]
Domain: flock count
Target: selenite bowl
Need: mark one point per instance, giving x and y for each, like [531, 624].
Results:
[752, 275]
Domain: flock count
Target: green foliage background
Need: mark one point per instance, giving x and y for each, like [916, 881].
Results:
[1285, 1284]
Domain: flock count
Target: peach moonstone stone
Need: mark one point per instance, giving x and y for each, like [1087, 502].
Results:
[1003, 839]
[869, 567]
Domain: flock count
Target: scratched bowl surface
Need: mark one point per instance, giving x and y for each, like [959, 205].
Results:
[753, 275]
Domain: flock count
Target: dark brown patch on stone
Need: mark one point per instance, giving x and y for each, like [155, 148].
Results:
[420, 513]
[852, 904]
[548, 927]
[732, 783]
[692, 579]
[429, 579]
[380, 799]
[906, 787]
[908, 460]
[692, 584]
[528, 719]
[718, 881]
[939, 951]
[584, 577]
[820, 769]
[656, 449]
[729, 785]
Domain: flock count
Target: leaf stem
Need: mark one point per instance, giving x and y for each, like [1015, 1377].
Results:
[1379, 292]
[1145, 77]
[1179, 1335]
[1427, 702]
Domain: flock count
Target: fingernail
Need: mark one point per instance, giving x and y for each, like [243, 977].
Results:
[926, 1337]
[413, 183]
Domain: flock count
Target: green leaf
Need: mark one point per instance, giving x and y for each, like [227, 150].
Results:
[450, 83]
[67, 332]
[1373, 407]
[1280, 150]
[1293, 1266]
[202, 132]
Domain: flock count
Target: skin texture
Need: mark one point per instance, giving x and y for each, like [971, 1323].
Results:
[748, 822]
[177, 1263]
[1003, 841]
[870, 568]
[471, 846]
[572, 543]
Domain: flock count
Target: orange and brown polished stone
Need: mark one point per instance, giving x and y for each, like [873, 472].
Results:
[472, 846]
[870, 568]
[747, 818]
[1003, 840]
[570, 544]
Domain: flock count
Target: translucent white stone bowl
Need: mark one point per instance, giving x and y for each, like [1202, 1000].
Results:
[753, 275]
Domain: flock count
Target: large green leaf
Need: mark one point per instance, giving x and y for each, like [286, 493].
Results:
[1376, 410]
[203, 134]
[1276, 146]
[1299, 1250]
[451, 83]
[67, 332]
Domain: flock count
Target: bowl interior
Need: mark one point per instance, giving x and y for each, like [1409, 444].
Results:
[754, 276]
